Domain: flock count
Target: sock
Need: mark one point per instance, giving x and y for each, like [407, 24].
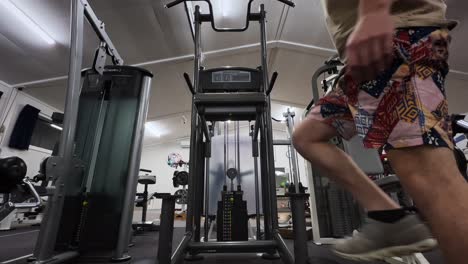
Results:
[387, 216]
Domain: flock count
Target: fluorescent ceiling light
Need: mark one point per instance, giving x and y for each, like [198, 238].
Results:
[152, 129]
[231, 9]
[280, 173]
[56, 127]
[25, 19]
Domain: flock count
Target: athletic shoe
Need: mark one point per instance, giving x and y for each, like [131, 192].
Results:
[380, 241]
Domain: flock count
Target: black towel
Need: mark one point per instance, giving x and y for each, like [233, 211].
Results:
[24, 127]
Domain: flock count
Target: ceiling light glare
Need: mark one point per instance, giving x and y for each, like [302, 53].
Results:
[26, 20]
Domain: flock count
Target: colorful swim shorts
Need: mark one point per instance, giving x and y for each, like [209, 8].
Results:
[406, 105]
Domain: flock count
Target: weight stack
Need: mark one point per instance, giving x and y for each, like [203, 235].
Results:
[232, 218]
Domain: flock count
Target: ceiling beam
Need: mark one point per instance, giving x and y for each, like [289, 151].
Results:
[294, 46]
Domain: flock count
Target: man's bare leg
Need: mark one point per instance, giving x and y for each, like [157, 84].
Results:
[311, 141]
[431, 177]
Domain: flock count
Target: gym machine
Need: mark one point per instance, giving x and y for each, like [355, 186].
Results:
[142, 201]
[88, 217]
[23, 190]
[298, 207]
[17, 190]
[236, 94]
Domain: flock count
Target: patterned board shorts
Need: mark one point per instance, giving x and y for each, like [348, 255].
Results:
[406, 105]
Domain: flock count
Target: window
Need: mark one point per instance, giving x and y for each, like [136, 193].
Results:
[45, 134]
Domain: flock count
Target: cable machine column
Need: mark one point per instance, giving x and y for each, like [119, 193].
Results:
[297, 198]
[194, 121]
[50, 224]
[257, 190]
[207, 189]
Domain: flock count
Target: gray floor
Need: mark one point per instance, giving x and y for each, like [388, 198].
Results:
[20, 242]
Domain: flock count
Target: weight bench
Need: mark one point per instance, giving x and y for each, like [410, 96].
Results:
[142, 201]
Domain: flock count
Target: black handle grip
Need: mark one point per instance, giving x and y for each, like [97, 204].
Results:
[189, 83]
[289, 3]
[309, 106]
[145, 170]
[171, 4]
[272, 82]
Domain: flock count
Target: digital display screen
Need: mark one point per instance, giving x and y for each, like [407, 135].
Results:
[231, 77]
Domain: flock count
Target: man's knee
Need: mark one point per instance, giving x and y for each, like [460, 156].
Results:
[311, 131]
[299, 138]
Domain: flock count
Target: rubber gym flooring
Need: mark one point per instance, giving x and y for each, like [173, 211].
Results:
[17, 245]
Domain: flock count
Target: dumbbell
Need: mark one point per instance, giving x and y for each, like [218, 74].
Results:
[12, 172]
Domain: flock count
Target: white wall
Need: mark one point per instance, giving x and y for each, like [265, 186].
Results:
[154, 157]
[34, 156]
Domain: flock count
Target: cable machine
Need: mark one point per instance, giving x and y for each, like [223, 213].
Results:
[94, 176]
[219, 95]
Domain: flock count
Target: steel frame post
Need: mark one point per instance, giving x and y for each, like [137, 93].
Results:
[264, 184]
[257, 190]
[199, 187]
[50, 224]
[167, 228]
[207, 190]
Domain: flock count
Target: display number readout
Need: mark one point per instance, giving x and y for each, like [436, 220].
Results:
[231, 77]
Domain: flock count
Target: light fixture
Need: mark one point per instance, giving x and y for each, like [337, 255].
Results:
[153, 130]
[25, 19]
[230, 9]
[280, 173]
[229, 121]
[56, 127]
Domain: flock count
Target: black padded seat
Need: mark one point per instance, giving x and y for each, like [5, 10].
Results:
[147, 179]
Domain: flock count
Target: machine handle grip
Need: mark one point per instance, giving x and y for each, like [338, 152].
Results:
[189, 83]
[174, 3]
[310, 105]
[287, 2]
[272, 82]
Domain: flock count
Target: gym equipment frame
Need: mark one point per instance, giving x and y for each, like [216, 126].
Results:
[66, 169]
[236, 94]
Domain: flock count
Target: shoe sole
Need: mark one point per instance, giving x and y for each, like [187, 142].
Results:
[385, 253]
